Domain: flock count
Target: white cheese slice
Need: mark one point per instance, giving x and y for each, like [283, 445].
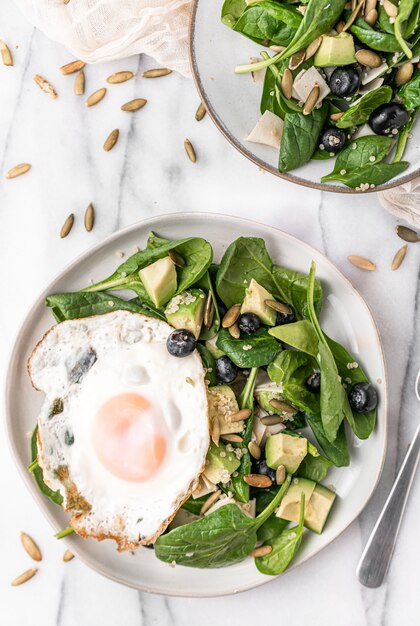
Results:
[304, 83]
[258, 76]
[374, 84]
[370, 73]
[203, 488]
[267, 131]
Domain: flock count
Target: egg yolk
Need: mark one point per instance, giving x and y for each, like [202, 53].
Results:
[128, 437]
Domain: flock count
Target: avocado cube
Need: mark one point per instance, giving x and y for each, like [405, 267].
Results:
[318, 508]
[222, 404]
[159, 280]
[220, 464]
[212, 347]
[186, 311]
[265, 394]
[337, 50]
[285, 450]
[290, 505]
[254, 302]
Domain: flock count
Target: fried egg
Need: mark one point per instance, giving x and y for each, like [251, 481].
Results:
[123, 432]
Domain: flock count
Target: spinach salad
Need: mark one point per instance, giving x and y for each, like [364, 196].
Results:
[283, 396]
[339, 79]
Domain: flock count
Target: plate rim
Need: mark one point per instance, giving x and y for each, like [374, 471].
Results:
[7, 393]
[250, 155]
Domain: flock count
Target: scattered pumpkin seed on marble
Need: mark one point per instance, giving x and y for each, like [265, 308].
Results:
[111, 140]
[18, 170]
[31, 547]
[89, 217]
[23, 578]
[67, 226]
[120, 77]
[45, 86]
[361, 262]
[134, 105]
[189, 149]
[96, 97]
[407, 234]
[68, 556]
[6, 55]
[79, 84]
[399, 257]
[200, 113]
[72, 67]
[156, 73]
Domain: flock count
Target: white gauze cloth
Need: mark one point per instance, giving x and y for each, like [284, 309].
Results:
[102, 30]
[403, 201]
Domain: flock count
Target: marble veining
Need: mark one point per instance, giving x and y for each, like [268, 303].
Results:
[148, 174]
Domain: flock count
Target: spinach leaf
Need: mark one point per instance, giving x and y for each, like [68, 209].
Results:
[237, 485]
[268, 96]
[300, 335]
[320, 16]
[314, 467]
[405, 8]
[336, 451]
[221, 538]
[269, 22]
[193, 505]
[254, 350]
[374, 174]
[73, 305]
[206, 283]
[357, 154]
[273, 525]
[285, 547]
[375, 39]
[196, 252]
[300, 137]
[383, 20]
[404, 136]
[209, 364]
[54, 496]
[294, 286]
[359, 112]
[410, 92]
[232, 11]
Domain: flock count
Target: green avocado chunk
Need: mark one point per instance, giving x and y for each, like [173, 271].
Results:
[285, 450]
[254, 302]
[318, 503]
[220, 464]
[212, 347]
[186, 311]
[333, 51]
[159, 280]
[290, 505]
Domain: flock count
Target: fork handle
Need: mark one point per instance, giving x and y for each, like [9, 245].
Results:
[376, 557]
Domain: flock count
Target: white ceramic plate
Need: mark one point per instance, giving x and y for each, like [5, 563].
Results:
[233, 101]
[346, 317]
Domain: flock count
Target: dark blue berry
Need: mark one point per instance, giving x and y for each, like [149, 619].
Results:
[284, 318]
[226, 371]
[222, 309]
[261, 467]
[181, 343]
[363, 397]
[333, 139]
[249, 323]
[388, 117]
[344, 81]
[313, 382]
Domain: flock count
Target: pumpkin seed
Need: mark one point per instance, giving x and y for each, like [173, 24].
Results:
[189, 149]
[231, 316]
[283, 406]
[313, 48]
[372, 17]
[353, 16]
[73, 66]
[31, 547]
[208, 311]
[111, 140]
[233, 438]
[67, 226]
[361, 262]
[336, 116]
[404, 73]
[368, 58]
[18, 170]
[272, 420]
[243, 414]
[23, 578]
[119, 77]
[134, 105]
[200, 113]
[45, 86]
[6, 55]
[234, 331]
[176, 258]
[66, 1]
[340, 26]
[96, 97]
[399, 257]
[280, 474]
[258, 480]
[210, 501]
[278, 306]
[311, 100]
[390, 9]
[297, 59]
[254, 450]
[68, 556]
[287, 83]
[79, 84]
[215, 431]
[370, 5]
[277, 48]
[261, 551]
[407, 234]
[156, 73]
[89, 217]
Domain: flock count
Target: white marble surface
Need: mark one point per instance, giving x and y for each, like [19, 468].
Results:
[148, 174]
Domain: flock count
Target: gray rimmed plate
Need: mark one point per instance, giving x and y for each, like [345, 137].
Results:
[233, 101]
[346, 317]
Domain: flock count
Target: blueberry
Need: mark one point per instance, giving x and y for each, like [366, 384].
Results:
[363, 397]
[388, 117]
[249, 323]
[333, 139]
[262, 468]
[344, 81]
[226, 370]
[313, 382]
[181, 343]
[222, 310]
[284, 318]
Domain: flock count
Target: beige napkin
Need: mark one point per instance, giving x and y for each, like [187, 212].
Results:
[102, 30]
[403, 201]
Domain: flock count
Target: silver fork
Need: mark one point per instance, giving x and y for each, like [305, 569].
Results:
[376, 557]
